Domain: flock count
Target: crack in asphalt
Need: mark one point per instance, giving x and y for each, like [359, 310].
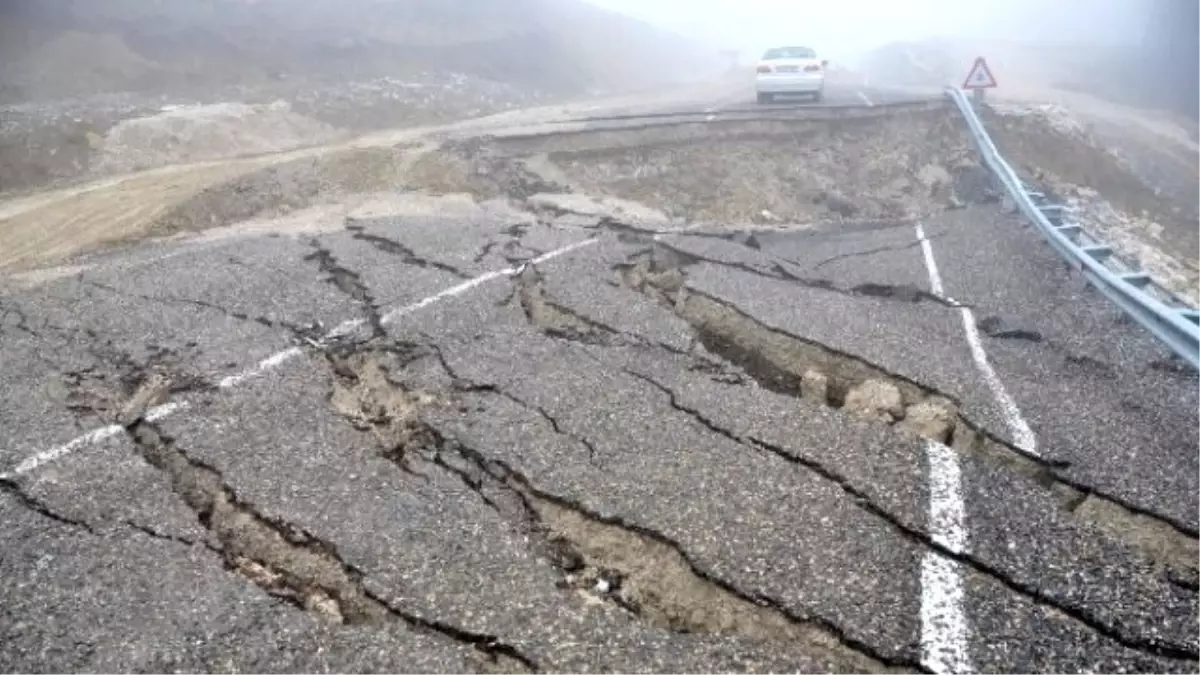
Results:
[512, 247]
[869, 252]
[555, 319]
[406, 254]
[284, 560]
[613, 560]
[1172, 365]
[164, 536]
[994, 327]
[120, 387]
[1076, 611]
[348, 282]
[464, 384]
[485, 250]
[365, 394]
[652, 576]
[28, 501]
[297, 331]
[22, 323]
[22, 497]
[901, 293]
[786, 363]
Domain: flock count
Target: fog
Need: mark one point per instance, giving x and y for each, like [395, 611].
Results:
[847, 28]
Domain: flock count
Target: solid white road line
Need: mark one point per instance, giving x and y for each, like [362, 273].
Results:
[866, 100]
[272, 362]
[945, 644]
[1022, 434]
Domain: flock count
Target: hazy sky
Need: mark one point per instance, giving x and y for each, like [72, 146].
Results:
[847, 26]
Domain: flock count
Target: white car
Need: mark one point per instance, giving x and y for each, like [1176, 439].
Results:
[790, 70]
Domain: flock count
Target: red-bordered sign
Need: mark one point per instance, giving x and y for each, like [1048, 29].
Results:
[980, 76]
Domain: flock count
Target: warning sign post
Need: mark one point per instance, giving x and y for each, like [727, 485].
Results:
[979, 80]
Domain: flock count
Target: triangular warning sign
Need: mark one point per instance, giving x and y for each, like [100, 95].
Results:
[980, 76]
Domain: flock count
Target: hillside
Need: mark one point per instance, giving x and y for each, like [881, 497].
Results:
[90, 86]
[61, 48]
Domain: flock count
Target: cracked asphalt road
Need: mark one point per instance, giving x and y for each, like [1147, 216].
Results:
[523, 443]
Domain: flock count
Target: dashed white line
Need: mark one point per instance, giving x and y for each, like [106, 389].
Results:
[865, 99]
[945, 641]
[272, 362]
[1022, 434]
[945, 644]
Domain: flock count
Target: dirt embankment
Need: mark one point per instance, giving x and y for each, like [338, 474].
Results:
[787, 173]
[1131, 170]
[892, 167]
[1133, 185]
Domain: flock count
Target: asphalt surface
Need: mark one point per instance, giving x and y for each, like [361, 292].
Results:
[519, 443]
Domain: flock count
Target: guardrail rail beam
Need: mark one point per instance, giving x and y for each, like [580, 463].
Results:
[1173, 322]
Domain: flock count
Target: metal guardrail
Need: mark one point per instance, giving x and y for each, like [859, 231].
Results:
[1171, 320]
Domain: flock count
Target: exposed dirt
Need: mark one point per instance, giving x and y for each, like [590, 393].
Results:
[197, 133]
[471, 168]
[778, 172]
[772, 171]
[904, 166]
[200, 198]
[59, 143]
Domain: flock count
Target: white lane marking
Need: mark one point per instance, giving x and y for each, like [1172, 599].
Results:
[945, 643]
[945, 637]
[866, 100]
[935, 277]
[90, 438]
[947, 514]
[274, 361]
[1022, 434]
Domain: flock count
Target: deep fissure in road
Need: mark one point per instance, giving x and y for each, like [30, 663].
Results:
[640, 571]
[787, 364]
[278, 557]
[287, 562]
[793, 366]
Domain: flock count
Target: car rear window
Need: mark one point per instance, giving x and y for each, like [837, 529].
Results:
[789, 53]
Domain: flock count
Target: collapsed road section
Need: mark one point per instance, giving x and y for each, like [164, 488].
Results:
[667, 398]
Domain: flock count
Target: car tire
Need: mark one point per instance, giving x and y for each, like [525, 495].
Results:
[818, 96]
[765, 98]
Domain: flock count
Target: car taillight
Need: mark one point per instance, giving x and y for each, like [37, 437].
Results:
[764, 69]
[812, 69]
